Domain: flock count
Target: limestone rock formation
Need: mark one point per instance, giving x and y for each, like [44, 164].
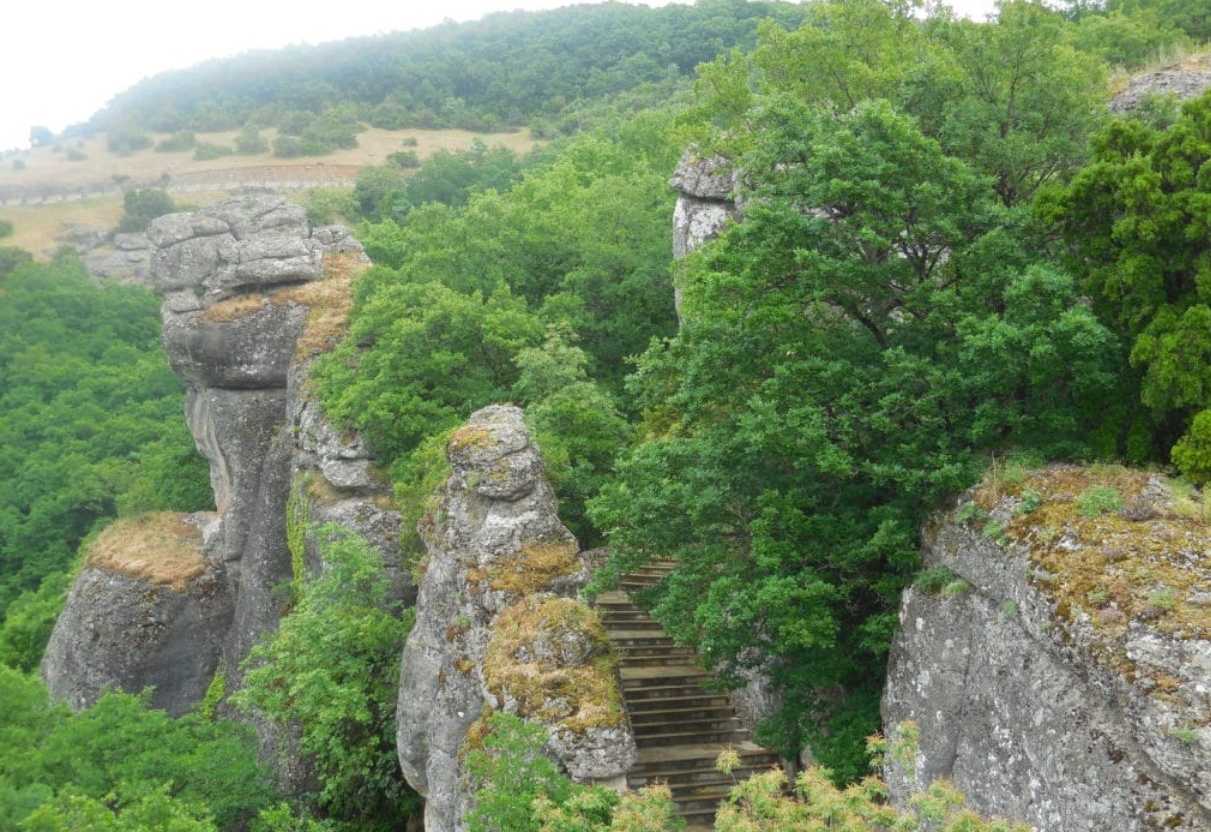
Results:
[706, 201]
[1063, 675]
[150, 608]
[1183, 80]
[498, 626]
[251, 294]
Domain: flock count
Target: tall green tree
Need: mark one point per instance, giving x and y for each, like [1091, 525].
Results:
[1135, 223]
[849, 352]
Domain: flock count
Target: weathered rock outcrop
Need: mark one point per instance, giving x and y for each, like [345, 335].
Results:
[498, 626]
[706, 201]
[252, 294]
[149, 609]
[1063, 675]
[1183, 80]
[125, 257]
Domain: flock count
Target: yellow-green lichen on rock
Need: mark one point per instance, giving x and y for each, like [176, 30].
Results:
[499, 626]
[549, 659]
[1079, 644]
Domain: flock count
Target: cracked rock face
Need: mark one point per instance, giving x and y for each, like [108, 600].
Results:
[1048, 681]
[242, 282]
[127, 627]
[1181, 82]
[706, 202]
[497, 621]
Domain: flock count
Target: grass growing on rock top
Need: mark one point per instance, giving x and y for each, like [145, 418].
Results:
[1116, 546]
[161, 547]
[571, 696]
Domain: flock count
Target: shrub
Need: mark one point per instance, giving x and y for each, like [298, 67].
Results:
[1098, 500]
[176, 143]
[127, 140]
[1192, 453]
[326, 206]
[250, 142]
[406, 159]
[410, 141]
[6, 229]
[74, 155]
[333, 669]
[935, 579]
[205, 151]
[142, 206]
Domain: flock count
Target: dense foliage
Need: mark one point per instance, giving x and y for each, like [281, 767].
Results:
[141, 206]
[90, 426]
[332, 669]
[572, 262]
[519, 789]
[502, 70]
[120, 765]
[1135, 223]
[949, 253]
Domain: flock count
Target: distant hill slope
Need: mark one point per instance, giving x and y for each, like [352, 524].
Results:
[505, 70]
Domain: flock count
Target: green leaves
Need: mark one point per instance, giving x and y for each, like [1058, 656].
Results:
[90, 419]
[1136, 221]
[116, 764]
[332, 668]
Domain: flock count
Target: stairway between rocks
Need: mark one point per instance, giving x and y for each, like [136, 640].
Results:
[680, 724]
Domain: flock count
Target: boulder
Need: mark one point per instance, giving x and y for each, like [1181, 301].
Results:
[1183, 80]
[150, 609]
[498, 627]
[1062, 676]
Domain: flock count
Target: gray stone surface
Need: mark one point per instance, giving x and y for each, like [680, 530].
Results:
[245, 406]
[128, 633]
[706, 202]
[252, 351]
[1018, 705]
[1180, 82]
[495, 511]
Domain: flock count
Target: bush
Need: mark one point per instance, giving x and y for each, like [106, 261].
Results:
[6, 229]
[127, 140]
[52, 760]
[142, 206]
[177, 143]
[204, 151]
[333, 669]
[1192, 453]
[519, 789]
[11, 257]
[250, 142]
[28, 622]
[406, 159]
[326, 206]
[74, 155]
[287, 147]
[410, 141]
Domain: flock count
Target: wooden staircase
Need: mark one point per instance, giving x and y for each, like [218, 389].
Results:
[680, 724]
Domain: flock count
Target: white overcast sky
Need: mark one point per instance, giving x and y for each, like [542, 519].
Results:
[62, 60]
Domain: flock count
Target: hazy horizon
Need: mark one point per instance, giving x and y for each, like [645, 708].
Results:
[103, 49]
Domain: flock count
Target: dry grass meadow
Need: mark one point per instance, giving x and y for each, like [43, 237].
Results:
[37, 226]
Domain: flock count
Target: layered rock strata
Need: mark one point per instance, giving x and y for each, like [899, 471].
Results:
[498, 626]
[1061, 675]
[252, 293]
